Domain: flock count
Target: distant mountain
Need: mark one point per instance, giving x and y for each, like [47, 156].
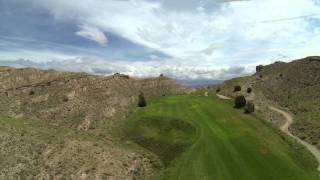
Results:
[198, 82]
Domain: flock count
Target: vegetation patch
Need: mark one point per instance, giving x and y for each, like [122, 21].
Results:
[165, 136]
[240, 101]
[237, 88]
[209, 139]
[249, 108]
[141, 100]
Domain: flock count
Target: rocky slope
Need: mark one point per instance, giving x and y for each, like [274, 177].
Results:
[76, 100]
[294, 86]
[77, 116]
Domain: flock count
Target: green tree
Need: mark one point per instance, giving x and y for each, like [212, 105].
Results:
[239, 102]
[141, 100]
[249, 108]
[218, 90]
[237, 88]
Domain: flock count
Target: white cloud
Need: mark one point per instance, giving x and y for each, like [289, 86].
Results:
[201, 42]
[93, 34]
[177, 32]
[35, 56]
[140, 69]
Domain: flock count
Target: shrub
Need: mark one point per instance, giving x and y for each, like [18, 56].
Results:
[237, 88]
[31, 93]
[249, 90]
[125, 76]
[65, 99]
[141, 100]
[218, 90]
[259, 68]
[239, 102]
[249, 108]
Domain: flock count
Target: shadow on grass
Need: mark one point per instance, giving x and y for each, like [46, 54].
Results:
[167, 137]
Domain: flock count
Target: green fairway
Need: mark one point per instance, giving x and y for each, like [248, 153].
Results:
[206, 138]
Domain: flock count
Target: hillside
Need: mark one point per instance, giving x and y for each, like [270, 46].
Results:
[56, 125]
[294, 86]
[87, 99]
[63, 124]
[204, 137]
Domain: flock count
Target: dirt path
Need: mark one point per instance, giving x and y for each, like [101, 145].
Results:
[223, 97]
[285, 129]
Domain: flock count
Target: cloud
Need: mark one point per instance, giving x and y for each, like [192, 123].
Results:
[290, 18]
[140, 69]
[93, 34]
[204, 39]
[159, 25]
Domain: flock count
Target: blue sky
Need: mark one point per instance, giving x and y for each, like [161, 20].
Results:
[189, 40]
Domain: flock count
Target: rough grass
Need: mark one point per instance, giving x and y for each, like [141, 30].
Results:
[215, 141]
[165, 136]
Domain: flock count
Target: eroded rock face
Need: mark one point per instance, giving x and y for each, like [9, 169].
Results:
[79, 113]
[75, 100]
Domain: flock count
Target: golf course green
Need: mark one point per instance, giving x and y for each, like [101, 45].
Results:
[199, 137]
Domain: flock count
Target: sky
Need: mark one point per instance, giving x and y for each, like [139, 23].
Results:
[190, 40]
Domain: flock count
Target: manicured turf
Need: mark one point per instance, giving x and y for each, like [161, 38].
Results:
[206, 138]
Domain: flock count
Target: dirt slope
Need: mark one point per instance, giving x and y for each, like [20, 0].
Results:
[76, 100]
[63, 125]
[285, 129]
[294, 86]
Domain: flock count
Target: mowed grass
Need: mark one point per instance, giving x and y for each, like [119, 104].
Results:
[206, 138]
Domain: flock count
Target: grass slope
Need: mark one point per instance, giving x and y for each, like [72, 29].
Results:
[206, 138]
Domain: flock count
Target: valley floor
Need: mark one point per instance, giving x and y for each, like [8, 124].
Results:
[200, 137]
